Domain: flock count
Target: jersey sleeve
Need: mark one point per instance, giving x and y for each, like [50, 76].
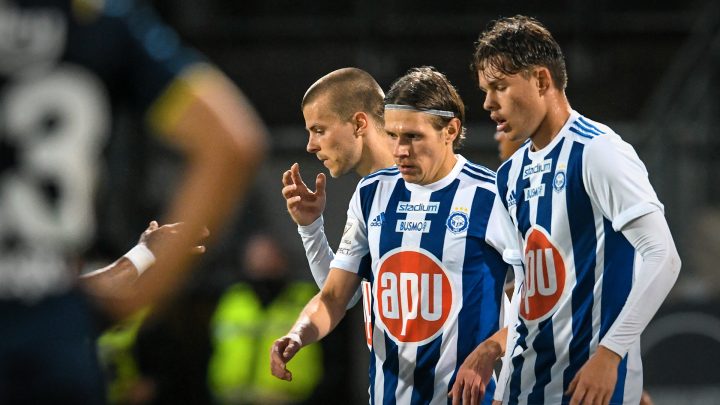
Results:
[511, 351]
[320, 255]
[616, 180]
[656, 275]
[502, 235]
[317, 250]
[354, 241]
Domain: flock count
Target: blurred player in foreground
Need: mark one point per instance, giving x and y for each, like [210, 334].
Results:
[69, 71]
[584, 211]
[415, 223]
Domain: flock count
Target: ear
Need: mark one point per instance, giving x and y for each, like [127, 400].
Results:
[452, 130]
[544, 79]
[360, 122]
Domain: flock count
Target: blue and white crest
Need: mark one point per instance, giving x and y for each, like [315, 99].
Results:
[457, 222]
[559, 181]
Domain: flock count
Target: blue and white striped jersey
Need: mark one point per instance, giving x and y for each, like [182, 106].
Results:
[569, 202]
[437, 274]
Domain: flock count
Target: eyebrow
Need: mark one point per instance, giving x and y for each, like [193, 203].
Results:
[494, 80]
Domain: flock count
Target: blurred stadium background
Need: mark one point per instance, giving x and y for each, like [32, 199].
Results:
[649, 69]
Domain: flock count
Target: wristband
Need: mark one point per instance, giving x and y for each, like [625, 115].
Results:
[141, 257]
[294, 337]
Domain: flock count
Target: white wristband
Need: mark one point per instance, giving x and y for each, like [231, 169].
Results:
[141, 257]
[294, 336]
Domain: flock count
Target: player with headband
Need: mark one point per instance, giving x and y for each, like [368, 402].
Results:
[431, 229]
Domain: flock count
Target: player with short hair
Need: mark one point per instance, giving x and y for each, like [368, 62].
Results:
[344, 117]
[431, 230]
[585, 213]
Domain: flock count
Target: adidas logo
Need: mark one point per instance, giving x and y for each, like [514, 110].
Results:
[379, 220]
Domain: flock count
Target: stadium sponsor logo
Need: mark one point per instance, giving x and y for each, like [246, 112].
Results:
[457, 221]
[559, 181]
[347, 241]
[545, 275]
[413, 226]
[534, 192]
[414, 206]
[414, 295]
[537, 168]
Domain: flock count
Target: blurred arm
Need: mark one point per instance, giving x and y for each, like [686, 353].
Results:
[223, 141]
[113, 281]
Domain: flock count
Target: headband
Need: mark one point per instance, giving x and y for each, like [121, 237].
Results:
[440, 113]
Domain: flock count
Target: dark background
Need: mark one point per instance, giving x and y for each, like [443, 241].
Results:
[648, 69]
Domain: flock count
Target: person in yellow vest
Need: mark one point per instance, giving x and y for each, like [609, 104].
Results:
[248, 318]
[125, 383]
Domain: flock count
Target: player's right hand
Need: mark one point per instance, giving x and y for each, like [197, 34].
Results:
[474, 374]
[281, 352]
[304, 205]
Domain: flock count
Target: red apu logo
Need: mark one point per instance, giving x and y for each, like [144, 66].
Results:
[544, 276]
[414, 295]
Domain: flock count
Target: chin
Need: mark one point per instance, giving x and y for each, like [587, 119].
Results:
[410, 179]
[337, 172]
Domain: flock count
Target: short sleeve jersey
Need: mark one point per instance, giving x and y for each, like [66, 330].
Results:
[569, 203]
[437, 274]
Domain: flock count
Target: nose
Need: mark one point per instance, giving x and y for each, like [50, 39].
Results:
[400, 149]
[489, 104]
[312, 146]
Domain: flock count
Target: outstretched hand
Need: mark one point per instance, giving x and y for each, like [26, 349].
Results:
[303, 205]
[282, 351]
[155, 236]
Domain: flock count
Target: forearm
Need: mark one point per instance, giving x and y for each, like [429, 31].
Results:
[319, 317]
[653, 280]
[317, 250]
[320, 255]
[510, 338]
[497, 342]
[219, 171]
[111, 281]
[223, 142]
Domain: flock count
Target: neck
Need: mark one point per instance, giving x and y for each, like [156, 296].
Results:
[557, 115]
[447, 165]
[376, 154]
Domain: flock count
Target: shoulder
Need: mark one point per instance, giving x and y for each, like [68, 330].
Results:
[600, 142]
[586, 131]
[387, 174]
[478, 175]
[606, 154]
